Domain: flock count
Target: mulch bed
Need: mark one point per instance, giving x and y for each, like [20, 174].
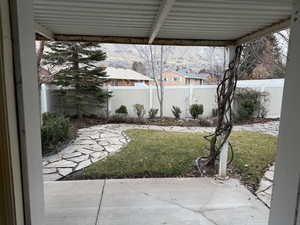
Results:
[166, 121]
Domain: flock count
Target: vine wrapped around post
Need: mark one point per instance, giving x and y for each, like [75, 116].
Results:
[225, 95]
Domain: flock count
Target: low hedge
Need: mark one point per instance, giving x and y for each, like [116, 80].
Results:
[55, 131]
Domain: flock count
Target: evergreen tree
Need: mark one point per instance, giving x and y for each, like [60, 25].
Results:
[76, 64]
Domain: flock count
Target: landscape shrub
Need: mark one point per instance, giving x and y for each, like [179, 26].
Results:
[55, 130]
[122, 110]
[139, 110]
[196, 110]
[176, 112]
[117, 118]
[152, 113]
[215, 112]
[250, 103]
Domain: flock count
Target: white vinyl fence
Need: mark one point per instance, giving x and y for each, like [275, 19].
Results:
[181, 96]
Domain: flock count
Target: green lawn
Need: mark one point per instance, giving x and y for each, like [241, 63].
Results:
[153, 153]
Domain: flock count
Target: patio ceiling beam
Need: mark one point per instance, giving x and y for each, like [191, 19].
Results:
[140, 40]
[281, 25]
[43, 31]
[164, 9]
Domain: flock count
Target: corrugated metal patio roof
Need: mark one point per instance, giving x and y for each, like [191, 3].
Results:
[179, 22]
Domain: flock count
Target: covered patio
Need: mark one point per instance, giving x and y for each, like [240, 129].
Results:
[154, 201]
[168, 22]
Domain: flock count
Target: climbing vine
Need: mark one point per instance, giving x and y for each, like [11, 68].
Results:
[225, 96]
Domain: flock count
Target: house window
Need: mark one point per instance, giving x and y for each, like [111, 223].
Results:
[114, 83]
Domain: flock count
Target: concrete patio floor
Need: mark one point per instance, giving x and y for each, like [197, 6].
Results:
[164, 201]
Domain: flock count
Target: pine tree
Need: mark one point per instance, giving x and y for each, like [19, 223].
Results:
[77, 69]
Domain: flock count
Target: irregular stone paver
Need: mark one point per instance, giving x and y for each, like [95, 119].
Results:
[65, 171]
[84, 142]
[113, 148]
[80, 158]
[97, 142]
[95, 148]
[264, 192]
[61, 163]
[85, 151]
[83, 164]
[269, 175]
[71, 155]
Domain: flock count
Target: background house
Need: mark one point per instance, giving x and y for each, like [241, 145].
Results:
[196, 78]
[173, 79]
[184, 78]
[125, 77]
[115, 77]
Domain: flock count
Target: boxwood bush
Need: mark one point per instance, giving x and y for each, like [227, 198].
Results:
[55, 130]
[196, 110]
[122, 110]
